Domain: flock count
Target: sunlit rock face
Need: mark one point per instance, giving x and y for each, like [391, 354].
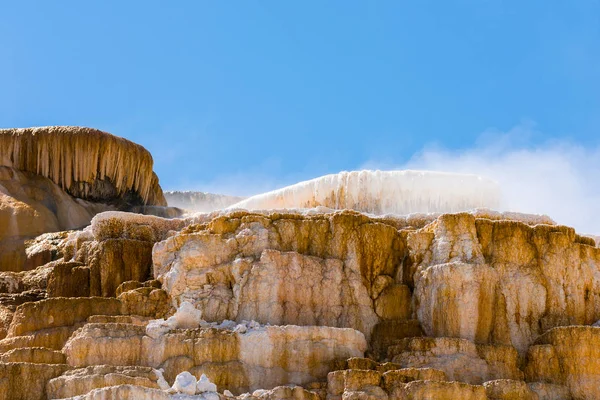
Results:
[297, 303]
[86, 163]
[261, 358]
[502, 282]
[31, 205]
[325, 269]
[384, 192]
[568, 356]
[57, 178]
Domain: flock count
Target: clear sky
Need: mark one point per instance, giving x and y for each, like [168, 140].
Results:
[241, 96]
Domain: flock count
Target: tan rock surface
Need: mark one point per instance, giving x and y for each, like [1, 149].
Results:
[69, 279]
[481, 288]
[420, 390]
[123, 392]
[117, 248]
[82, 381]
[85, 162]
[5, 319]
[567, 356]
[285, 393]
[59, 312]
[285, 268]
[52, 338]
[550, 391]
[37, 355]
[27, 381]
[262, 358]
[506, 389]
[460, 359]
[31, 205]
[502, 282]
[146, 302]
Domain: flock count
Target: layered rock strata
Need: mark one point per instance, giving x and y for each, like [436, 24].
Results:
[318, 304]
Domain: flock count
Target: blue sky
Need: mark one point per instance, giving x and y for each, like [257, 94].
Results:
[242, 96]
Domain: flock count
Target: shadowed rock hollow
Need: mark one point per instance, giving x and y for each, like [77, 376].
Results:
[307, 303]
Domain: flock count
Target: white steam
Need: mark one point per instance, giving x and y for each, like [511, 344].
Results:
[559, 179]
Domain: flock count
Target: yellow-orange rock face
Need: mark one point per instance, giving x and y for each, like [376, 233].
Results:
[502, 282]
[335, 269]
[457, 306]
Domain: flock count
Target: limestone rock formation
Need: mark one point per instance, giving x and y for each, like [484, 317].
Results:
[260, 358]
[256, 267]
[307, 304]
[502, 282]
[383, 192]
[86, 163]
[77, 382]
[567, 356]
[31, 205]
[459, 359]
[57, 178]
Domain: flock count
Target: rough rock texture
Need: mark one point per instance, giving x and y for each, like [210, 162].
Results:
[18, 282]
[31, 205]
[115, 248]
[123, 392]
[398, 384]
[477, 305]
[460, 359]
[568, 356]
[146, 302]
[37, 355]
[502, 282]
[81, 381]
[506, 389]
[27, 381]
[49, 323]
[69, 279]
[330, 270]
[59, 312]
[261, 358]
[57, 178]
[86, 163]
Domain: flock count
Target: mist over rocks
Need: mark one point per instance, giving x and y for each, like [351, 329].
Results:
[358, 285]
[199, 201]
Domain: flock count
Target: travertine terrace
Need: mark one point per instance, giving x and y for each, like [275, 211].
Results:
[86, 163]
[330, 289]
[57, 178]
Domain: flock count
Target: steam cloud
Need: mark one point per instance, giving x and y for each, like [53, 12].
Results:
[559, 179]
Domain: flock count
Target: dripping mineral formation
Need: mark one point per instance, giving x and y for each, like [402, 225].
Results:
[329, 289]
[86, 163]
[381, 192]
[55, 179]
